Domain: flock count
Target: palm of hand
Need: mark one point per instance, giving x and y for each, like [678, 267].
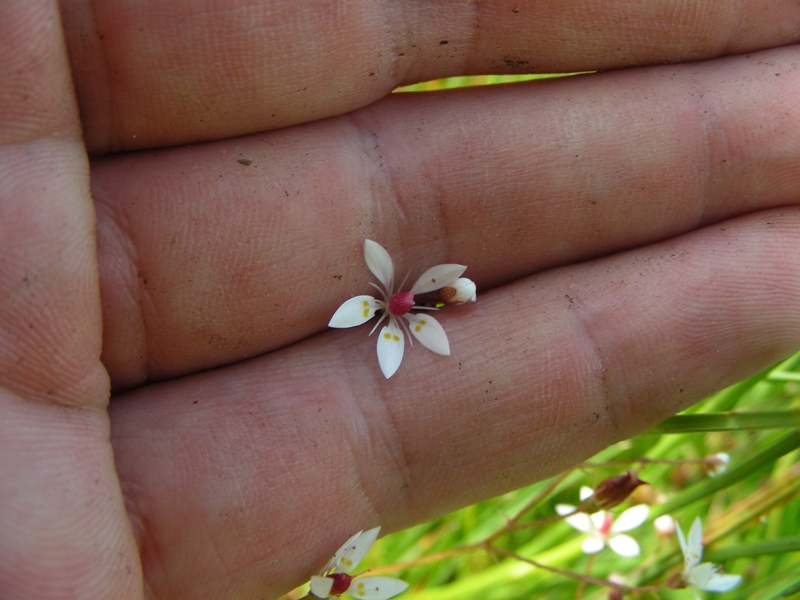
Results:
[635, 234]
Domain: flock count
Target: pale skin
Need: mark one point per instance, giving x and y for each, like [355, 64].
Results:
[178, 422]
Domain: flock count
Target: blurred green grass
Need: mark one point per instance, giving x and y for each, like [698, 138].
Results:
[475, 81]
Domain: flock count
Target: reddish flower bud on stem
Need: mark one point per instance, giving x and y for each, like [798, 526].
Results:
[612, 491]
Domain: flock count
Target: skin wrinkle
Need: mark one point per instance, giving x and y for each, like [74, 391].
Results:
[355, 443]
[577, 309]
[101, 80]
[114, 237]
[708, 170]
[396, 450]
[394, 21]
[87, 51]
[359, 444]
[371, 152]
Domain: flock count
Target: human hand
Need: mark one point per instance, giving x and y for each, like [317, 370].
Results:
[634, 236]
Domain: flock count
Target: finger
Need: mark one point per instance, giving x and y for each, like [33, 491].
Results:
[151, 75]
[258, 471]
[64, 532]
[222, 251]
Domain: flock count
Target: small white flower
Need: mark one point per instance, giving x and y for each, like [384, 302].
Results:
[717, 464]
[602, 529]
[336, 578]
[395, 304]
[703, 576]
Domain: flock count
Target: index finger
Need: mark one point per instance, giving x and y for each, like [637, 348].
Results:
[158, 74]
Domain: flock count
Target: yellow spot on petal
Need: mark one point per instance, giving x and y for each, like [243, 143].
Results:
[418, 328]
[423, 322]
[387, 335]
[366, 312]
[396, 338]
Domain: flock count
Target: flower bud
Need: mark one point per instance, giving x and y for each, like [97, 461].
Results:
[459, 291]
[615, 593]
[466, 291]
[613, 491]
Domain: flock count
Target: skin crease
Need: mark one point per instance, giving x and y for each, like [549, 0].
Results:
[633, 234]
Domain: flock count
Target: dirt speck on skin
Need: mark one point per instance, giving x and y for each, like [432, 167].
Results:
[245, 161]
[516, 63]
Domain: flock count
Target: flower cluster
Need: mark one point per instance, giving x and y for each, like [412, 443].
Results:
[336, 577]
[602, 529]
[437, 287]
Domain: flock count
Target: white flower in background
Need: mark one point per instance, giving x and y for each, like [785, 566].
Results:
[664, 526]
[717, 464]
[393, 305]
[703, 576]
[602, 529]
[336, 578]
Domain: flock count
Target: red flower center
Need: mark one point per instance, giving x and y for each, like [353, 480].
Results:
[341, 583]
[400, 303]
[608, 521]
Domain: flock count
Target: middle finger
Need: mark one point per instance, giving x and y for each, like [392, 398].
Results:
[213, 253]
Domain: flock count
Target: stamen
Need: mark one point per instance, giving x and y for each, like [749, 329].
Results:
[383, 292]
[383, 316]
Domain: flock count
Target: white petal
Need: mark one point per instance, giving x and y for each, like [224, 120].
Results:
[631, 518]
[581, 522]
[695, 545]
[586, 492]
[321, 586]
[598, 520]
[429, 332]
[377, 588]
[722, 583]
[343, 549]
[391, 342]
[592, 545]
[380, 263]
[700, 575]
[437, 277]
[682, 542]
[624, 545]
[355, 311]
[354, 550]
[565, 509]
